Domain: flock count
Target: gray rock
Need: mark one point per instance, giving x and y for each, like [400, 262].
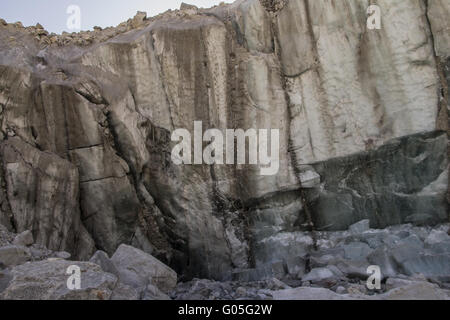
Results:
[306, 284]
[308, 294]
[439, 24]
[263, 272]
[406, 250]
[14, 255]
[5, 279]
[375, 240]
[124, 292]
[381, 257]
[296, 266]
[321, 276]
[420, 219]
[322, 261]
[186, 6]
[309, 178]
[356, 251]
[353, 268]
[341, 290]
[357, 291]
[391, 240]
[437, 236]
[415, 291]
[440, 248]
[241, 292]
[52, 182]
[277, 269]
[337, 272]
[6, 237]
[431, 266]
[412, 240]
[40, 253]
[248, 275]
[393, 283]
[138, 20]
[403, 234]
[101, 258]
[138, 269]
[140, 241]
[153, 293]
[62, 255]
[24, 239]
[275, 284]
[47, 280]
[360, 227]
[201, 289]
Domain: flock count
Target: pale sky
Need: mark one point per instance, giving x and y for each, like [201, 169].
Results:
[104, 13]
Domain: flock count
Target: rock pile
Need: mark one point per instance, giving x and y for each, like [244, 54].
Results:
[98, 34]
[32, 272]
[414, 263]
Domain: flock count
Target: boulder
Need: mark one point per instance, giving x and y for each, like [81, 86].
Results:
[308, 294]
[262, 272]
[322, 260]
[101, 258]
[360, 227]
[6, 237]
[125, 292]
[43, 192]
[405, 251]
[13, 255]
[40, 253]
[382, 258]
[392, 283]
[415, 291]
[296, 266]
[275, 284]
[309, 178]
[254, 274]
[341, 290]
[139, 269]
[353, 269]
[437, 236]
[153, 293]
[24, 239]
[440, 248]
[431, 266]
[138, 19]
[321, 276]
[382, 194]
[202, 289]
[62, 255]
[356, 251]
[186, 6]
[47, 280]
[5, 279]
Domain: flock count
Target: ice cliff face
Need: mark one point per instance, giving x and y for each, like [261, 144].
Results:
[86, 121]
